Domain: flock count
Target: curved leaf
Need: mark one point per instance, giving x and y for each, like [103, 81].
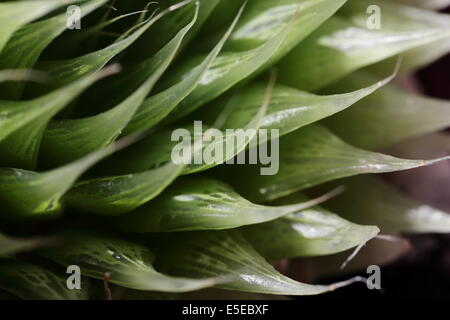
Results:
[66, 71]
[14, 14]
[202, 204]
[311, 156]
[344, 43]
[27, 44]
[67, 140]
[157, 107]
[212, 254]
[293, 22]
[311, 232]
[12, 245]
[129, 265]
[403, 115]
[22, 123]
[28, 194]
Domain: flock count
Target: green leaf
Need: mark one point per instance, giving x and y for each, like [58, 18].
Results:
[387, 208]
[293, 22]
[291, 109]
[218, 253]
[201, 204]
[66, 71]
[27, 194]
[344, 43]
[67, 140]
[22, 123]
[15, 14]
[119, 194]
[311, 156]
[157, 107]
[311, 232]
[31, 282]
[130, 265]
[26, 45]
[402, 114]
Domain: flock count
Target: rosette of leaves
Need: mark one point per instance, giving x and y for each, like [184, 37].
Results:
[86, 115]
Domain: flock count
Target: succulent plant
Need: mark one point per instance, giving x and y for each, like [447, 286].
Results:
[88, 112]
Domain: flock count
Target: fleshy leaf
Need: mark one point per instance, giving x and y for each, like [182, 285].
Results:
[344, 43]
[27, 194]
[66, 71]
[310, 232]
[294, 21]
[31, 282]
[119, 194]
[217, 253]
[67, 140]
[26, 45]
[387, 116]
[202, 204]
[22, 123]
[157, 107]
[369, 200]
[311, 156]
[130, 265]
[15, 14]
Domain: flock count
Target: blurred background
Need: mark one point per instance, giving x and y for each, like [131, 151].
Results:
[420, 269]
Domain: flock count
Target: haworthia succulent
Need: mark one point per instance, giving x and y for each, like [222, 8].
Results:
[311, 156]
[129, 264]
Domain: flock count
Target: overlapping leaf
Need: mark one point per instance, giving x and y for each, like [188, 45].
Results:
[387, 116]
[292, 23]
[218, 253]
[27, 194]
[22, 123]
[130, 265]
[15, 14]
[311, 156]
[26, 45]
[202, 204]
[67, 140]
[344, 43]
[311, 232]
